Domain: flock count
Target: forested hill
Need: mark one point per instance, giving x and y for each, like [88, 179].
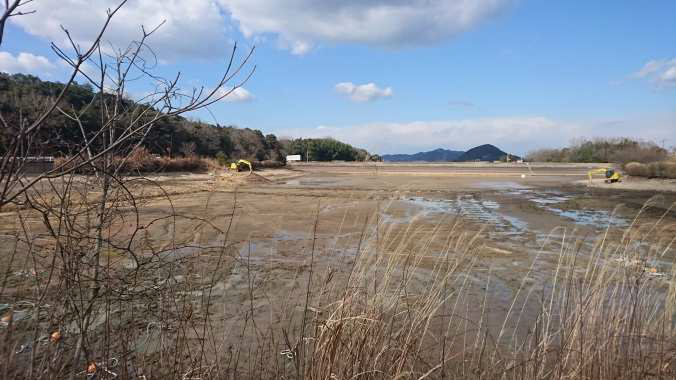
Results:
[24, 97]
[431, 156]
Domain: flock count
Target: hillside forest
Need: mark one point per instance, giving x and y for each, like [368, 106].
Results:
[24, 97]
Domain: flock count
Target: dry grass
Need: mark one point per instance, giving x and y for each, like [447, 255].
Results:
[603, 310]
[660, 169]
[604, 313]
[141, 161]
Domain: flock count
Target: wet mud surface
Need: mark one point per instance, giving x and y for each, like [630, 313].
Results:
[258, 242]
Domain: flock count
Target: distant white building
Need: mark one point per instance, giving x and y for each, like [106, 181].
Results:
[295, 157]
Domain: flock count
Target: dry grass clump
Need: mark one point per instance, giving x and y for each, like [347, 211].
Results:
[664, 169]
[611, 321]
[139, 161]
[661, 169]
[602, 310]
[385, 322]
[637, 169]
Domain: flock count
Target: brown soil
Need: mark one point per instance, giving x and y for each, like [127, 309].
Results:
[260, 233]
[637, 184]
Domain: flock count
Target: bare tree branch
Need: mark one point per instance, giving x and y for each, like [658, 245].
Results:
[11, 10]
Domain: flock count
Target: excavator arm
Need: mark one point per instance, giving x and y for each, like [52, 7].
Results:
[611, 175]
[591, 173]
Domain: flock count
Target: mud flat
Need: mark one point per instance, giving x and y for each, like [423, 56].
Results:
[252, 244]
[521, 223]
[278, 215]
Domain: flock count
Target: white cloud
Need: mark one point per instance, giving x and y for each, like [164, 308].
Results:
[301, 24]
[300, 47]
[649, 68]
[26, 63]
[200, 28]
[669, 75]
[363, 92]
[662, 72]
[192, 29]
[238, 95]
[513, 134]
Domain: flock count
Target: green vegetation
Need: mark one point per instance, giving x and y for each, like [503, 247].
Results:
[615, 150]
[327, 149]
[24, 97]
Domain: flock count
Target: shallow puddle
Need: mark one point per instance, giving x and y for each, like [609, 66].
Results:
[501, 185]
[548, 200]
[467, 206]
[489, 211]
[599, 218]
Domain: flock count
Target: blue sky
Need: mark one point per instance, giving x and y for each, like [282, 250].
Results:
[401, 76]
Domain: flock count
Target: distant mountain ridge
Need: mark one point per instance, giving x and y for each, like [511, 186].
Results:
[486, 152]
[431, 156]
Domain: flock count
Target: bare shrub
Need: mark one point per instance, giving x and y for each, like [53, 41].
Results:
[656, 170]
[140, 161]
[662, 169]
[670, 169]
[188, 164]
[644, 152]
[267, 164]
[97, 286]
[637, 169]
[188, 148]
[547, 155]
[617, 150]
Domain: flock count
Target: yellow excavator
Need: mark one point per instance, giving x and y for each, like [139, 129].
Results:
[240, 165]
[611, 174]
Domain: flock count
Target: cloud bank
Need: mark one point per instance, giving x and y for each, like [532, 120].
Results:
[514, 134]
[301, 24]
[26, 63]
[201, 28]
[191, 29]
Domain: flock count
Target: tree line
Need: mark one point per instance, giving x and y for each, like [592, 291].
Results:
[327, 149]
[24, 97]
[611, 150]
